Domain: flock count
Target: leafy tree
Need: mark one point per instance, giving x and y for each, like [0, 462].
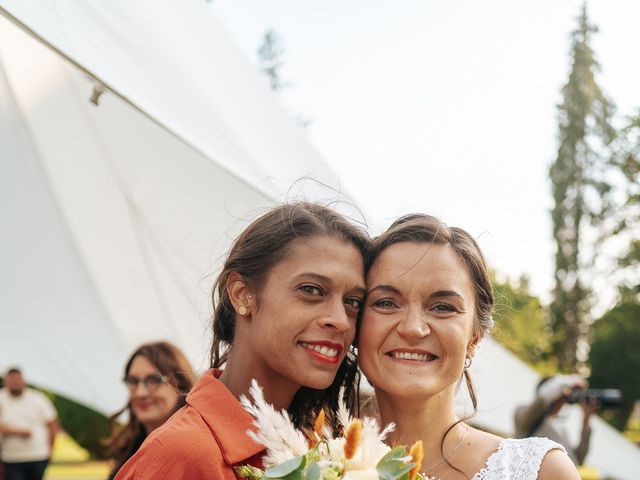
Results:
[581, 194]
[615, 357]
[627, 218]
[521, 324]
[270, 54]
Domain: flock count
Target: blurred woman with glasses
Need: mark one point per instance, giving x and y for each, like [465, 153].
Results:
[158, 376]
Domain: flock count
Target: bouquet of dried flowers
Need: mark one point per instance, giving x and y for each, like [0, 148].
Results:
[358, 453]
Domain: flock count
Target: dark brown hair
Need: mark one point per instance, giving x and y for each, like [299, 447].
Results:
[421, 228]
[172, 364]
[261, 246]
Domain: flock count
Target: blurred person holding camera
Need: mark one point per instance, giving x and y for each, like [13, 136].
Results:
[542, 418]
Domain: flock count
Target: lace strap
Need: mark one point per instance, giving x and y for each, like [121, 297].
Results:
[517, 459]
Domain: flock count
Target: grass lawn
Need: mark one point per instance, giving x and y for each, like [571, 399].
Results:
[70, 462]
[77, 471]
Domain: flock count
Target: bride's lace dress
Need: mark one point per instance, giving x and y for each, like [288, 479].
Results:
[516, 459]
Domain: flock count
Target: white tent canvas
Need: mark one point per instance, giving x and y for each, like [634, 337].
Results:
[114, 217]
[113, 220]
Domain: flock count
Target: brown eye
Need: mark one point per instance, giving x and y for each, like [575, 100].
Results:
[354, 302]
[313, 290]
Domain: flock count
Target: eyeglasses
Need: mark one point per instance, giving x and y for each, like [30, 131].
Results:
[150, 382]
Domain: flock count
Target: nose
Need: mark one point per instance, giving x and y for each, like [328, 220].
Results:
[140, 390]
[414, 325]
[337, 318]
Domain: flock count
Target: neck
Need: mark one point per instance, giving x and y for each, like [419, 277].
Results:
[237, 376]
[422, 419]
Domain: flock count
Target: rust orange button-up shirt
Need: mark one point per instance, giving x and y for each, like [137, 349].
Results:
[201, 441]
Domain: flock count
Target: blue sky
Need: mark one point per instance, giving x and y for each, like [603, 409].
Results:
[443, 107]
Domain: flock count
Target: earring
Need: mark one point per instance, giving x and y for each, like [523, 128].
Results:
[242, 310]
[467, 362]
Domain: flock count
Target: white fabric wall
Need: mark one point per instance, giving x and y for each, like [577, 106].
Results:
[135, 215]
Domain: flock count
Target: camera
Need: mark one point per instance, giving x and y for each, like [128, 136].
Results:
[606, 397]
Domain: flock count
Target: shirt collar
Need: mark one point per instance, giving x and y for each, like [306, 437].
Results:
[226, 418]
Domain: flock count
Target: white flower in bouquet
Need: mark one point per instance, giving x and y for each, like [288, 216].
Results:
[275, 430]
[359, 453]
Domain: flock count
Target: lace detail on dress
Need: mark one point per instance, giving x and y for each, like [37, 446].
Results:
[517, 459]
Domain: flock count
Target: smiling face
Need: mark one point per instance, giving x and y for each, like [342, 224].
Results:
[151, 405]
[418, 320]
[305, 317]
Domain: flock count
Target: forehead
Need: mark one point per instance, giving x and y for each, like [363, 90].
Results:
[325, 255]
[421, 266]
[141, 365]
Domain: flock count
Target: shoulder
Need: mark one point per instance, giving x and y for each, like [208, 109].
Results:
[182, 448]
[523, 458]
[187, 435]
[35, 396]
[557, 464]
[39, 399]
[484, 443]
[542, 457]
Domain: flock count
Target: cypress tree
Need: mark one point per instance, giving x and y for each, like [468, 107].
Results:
[579, 192]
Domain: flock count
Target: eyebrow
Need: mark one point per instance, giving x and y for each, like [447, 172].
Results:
[446, 293]
[325, 279]
[384, 288]
[394, 290]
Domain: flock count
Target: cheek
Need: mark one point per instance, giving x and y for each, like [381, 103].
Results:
[456, 342]
[364, 333]
[354, 332]
[370, 338]
[471, 335]
[167, 401]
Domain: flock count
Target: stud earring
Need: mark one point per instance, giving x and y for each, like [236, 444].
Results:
[242, 310]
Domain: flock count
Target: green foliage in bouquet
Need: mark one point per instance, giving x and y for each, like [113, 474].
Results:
[393, 466]
[357, 453]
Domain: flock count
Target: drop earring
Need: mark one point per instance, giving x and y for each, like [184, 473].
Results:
[467, 362]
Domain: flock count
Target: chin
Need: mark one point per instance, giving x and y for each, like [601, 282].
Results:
[145, 416]
[319, 382]
[409, 389]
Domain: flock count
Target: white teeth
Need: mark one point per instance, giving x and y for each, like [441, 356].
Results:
[326, 351]
[421, 357]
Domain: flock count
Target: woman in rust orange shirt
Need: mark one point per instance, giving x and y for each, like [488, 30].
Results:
[285, 310]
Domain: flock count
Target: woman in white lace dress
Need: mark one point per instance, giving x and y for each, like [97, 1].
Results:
[429, 302]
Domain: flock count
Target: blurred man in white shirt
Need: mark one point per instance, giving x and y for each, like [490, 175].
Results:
[28, 427]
